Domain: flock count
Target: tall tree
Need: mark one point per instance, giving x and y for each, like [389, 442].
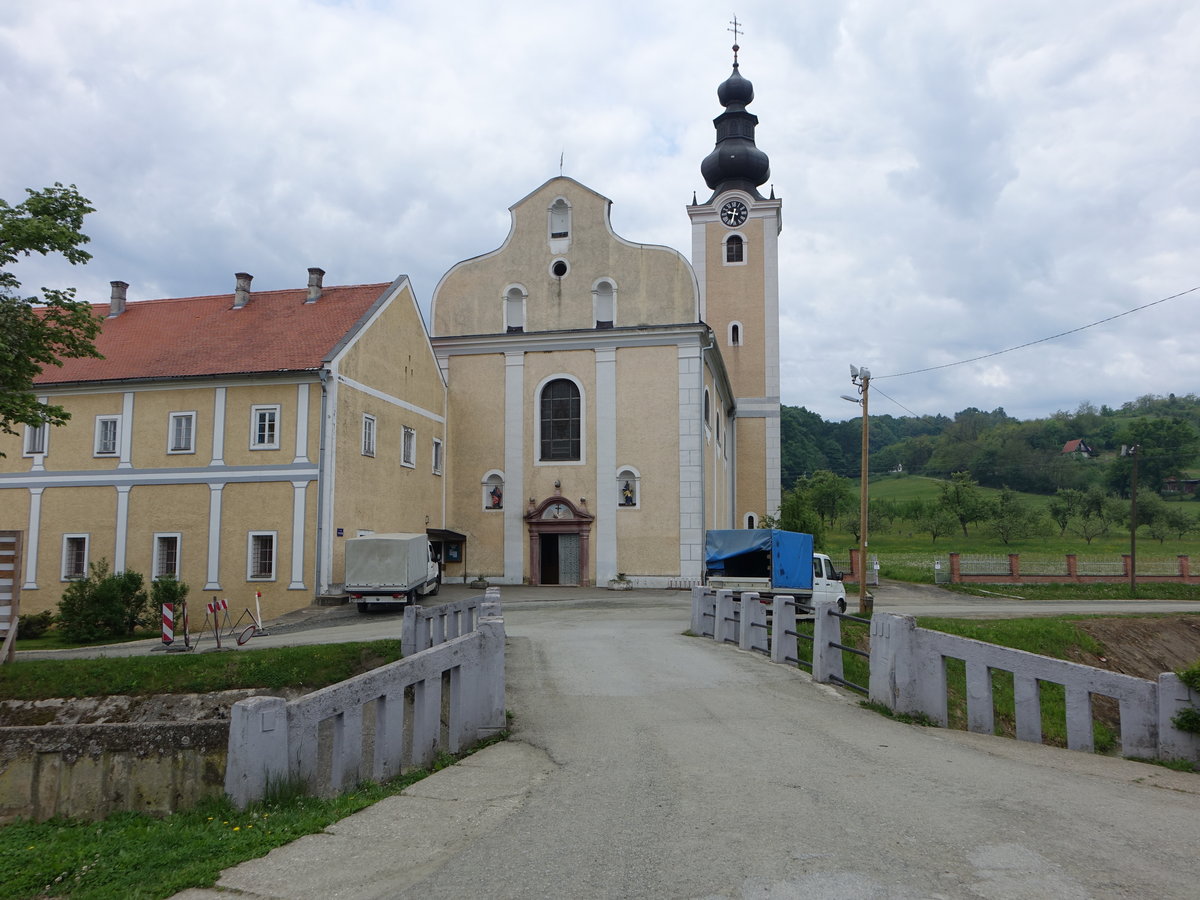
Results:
[39, 331]
[962, 499]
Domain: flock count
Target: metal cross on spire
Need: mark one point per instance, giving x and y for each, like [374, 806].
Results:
[737, 30]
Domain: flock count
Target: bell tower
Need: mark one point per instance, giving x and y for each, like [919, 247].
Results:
[735, 253]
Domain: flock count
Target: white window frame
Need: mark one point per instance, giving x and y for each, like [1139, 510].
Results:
[752, 520]
[563, 237]
[408, 447]
[98, 447]
[725, 249]
[256, 412]
[537, 422]
[368, 435]
[37, 440]
[738, 338]
[274, 536]
[159, 537]
[172, 419]
[612, 300]
[87, 546]
[437, 456]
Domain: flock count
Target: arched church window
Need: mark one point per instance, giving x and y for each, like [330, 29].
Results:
[514, 309]
[493, 490]
[629, 488]
[560, 220]
[735, 249]
[605, 304]
[707, 404]
[735, 334]
[561, 418]
[751, 522]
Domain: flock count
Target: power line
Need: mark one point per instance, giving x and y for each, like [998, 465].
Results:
[1052, 337]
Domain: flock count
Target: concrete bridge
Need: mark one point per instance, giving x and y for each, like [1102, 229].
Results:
[644, 763]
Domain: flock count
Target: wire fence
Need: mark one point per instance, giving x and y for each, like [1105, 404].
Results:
[937, 566]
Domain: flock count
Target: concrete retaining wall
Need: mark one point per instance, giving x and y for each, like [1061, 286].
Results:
[89, 771]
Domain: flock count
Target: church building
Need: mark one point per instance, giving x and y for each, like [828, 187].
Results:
[579, 410]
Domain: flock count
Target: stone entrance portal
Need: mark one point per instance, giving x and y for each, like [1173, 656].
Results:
[559, 538]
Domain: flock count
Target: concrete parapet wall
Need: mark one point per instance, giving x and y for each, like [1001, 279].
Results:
[908, 674]
[89, 771]
[446, 697]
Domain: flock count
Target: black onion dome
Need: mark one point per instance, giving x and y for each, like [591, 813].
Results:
[736, 162]
[735, 90]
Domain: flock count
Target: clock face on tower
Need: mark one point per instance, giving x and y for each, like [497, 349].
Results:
[734, 213]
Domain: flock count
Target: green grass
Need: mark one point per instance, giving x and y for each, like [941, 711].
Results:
[133, 855]
[53, 640]
[308, 667]
[1118, 590]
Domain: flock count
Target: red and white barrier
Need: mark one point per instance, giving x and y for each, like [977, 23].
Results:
[168, 623]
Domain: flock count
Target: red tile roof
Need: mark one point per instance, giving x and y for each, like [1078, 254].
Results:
[195, 336]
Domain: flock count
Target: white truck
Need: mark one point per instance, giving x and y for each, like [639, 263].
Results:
[390, 569]
[771, 561]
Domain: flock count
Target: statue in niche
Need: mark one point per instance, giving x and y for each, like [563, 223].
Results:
[497, 496]
[627, 494]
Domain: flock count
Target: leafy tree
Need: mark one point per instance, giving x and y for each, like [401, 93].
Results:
[1064, 505]
[103, 605]
[935, 521]
[829, 494]
[40, 331]
[1012, 517]
[797, 513]
[962, 499]
[1165, 448]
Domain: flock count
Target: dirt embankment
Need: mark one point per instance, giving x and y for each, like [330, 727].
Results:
[1143, 647]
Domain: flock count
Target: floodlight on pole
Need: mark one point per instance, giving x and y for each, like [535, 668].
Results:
[861, 377]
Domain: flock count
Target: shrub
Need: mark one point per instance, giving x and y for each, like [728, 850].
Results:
[34, 625]
[103, 605]
[167, 589]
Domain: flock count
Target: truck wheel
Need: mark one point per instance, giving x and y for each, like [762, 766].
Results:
[364, 606]
[437, 586]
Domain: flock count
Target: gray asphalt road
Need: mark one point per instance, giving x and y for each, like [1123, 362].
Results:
[649, 764]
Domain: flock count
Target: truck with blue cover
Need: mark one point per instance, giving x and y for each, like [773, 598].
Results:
[770, 561]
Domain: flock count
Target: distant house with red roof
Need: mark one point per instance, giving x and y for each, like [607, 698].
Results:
[233, 441]
[1077, 447]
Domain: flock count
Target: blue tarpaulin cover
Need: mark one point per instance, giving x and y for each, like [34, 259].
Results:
[790, 553]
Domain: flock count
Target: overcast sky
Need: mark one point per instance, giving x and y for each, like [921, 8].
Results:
[958, 177]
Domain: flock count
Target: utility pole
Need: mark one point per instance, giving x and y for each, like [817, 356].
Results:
[861, 378]
[1133, 522]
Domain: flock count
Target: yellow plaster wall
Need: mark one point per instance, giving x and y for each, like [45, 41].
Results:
[476, 433]
[72, 446]
[648, 440]
[239, 401]
[735, 293]
[151, 427]
[751, 466]
[654, 285]
[76, 510]
[158, 508]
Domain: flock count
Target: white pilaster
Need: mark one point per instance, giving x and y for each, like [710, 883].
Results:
[122, 539]
[126, 433]
[605, 503]
[514, 466]
[214, 537]
[301, 424]
[691, 462]
[299, 495]
[33, 541]
[218, 433]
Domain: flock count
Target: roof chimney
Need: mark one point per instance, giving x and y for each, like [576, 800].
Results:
[116, 304]
[314, 284]
[242, 295]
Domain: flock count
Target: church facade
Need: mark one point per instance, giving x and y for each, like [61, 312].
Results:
[580, 409]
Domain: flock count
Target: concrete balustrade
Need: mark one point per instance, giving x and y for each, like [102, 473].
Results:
[447, 696]
[908, 673]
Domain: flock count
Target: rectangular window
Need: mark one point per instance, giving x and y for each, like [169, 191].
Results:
[35, 439]
[74, 557]
[368, 435]
[261, 565]
[408, 447]
[437, 457]
[264, 427]
[108, 429]
[181, 431]
[166, 555]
